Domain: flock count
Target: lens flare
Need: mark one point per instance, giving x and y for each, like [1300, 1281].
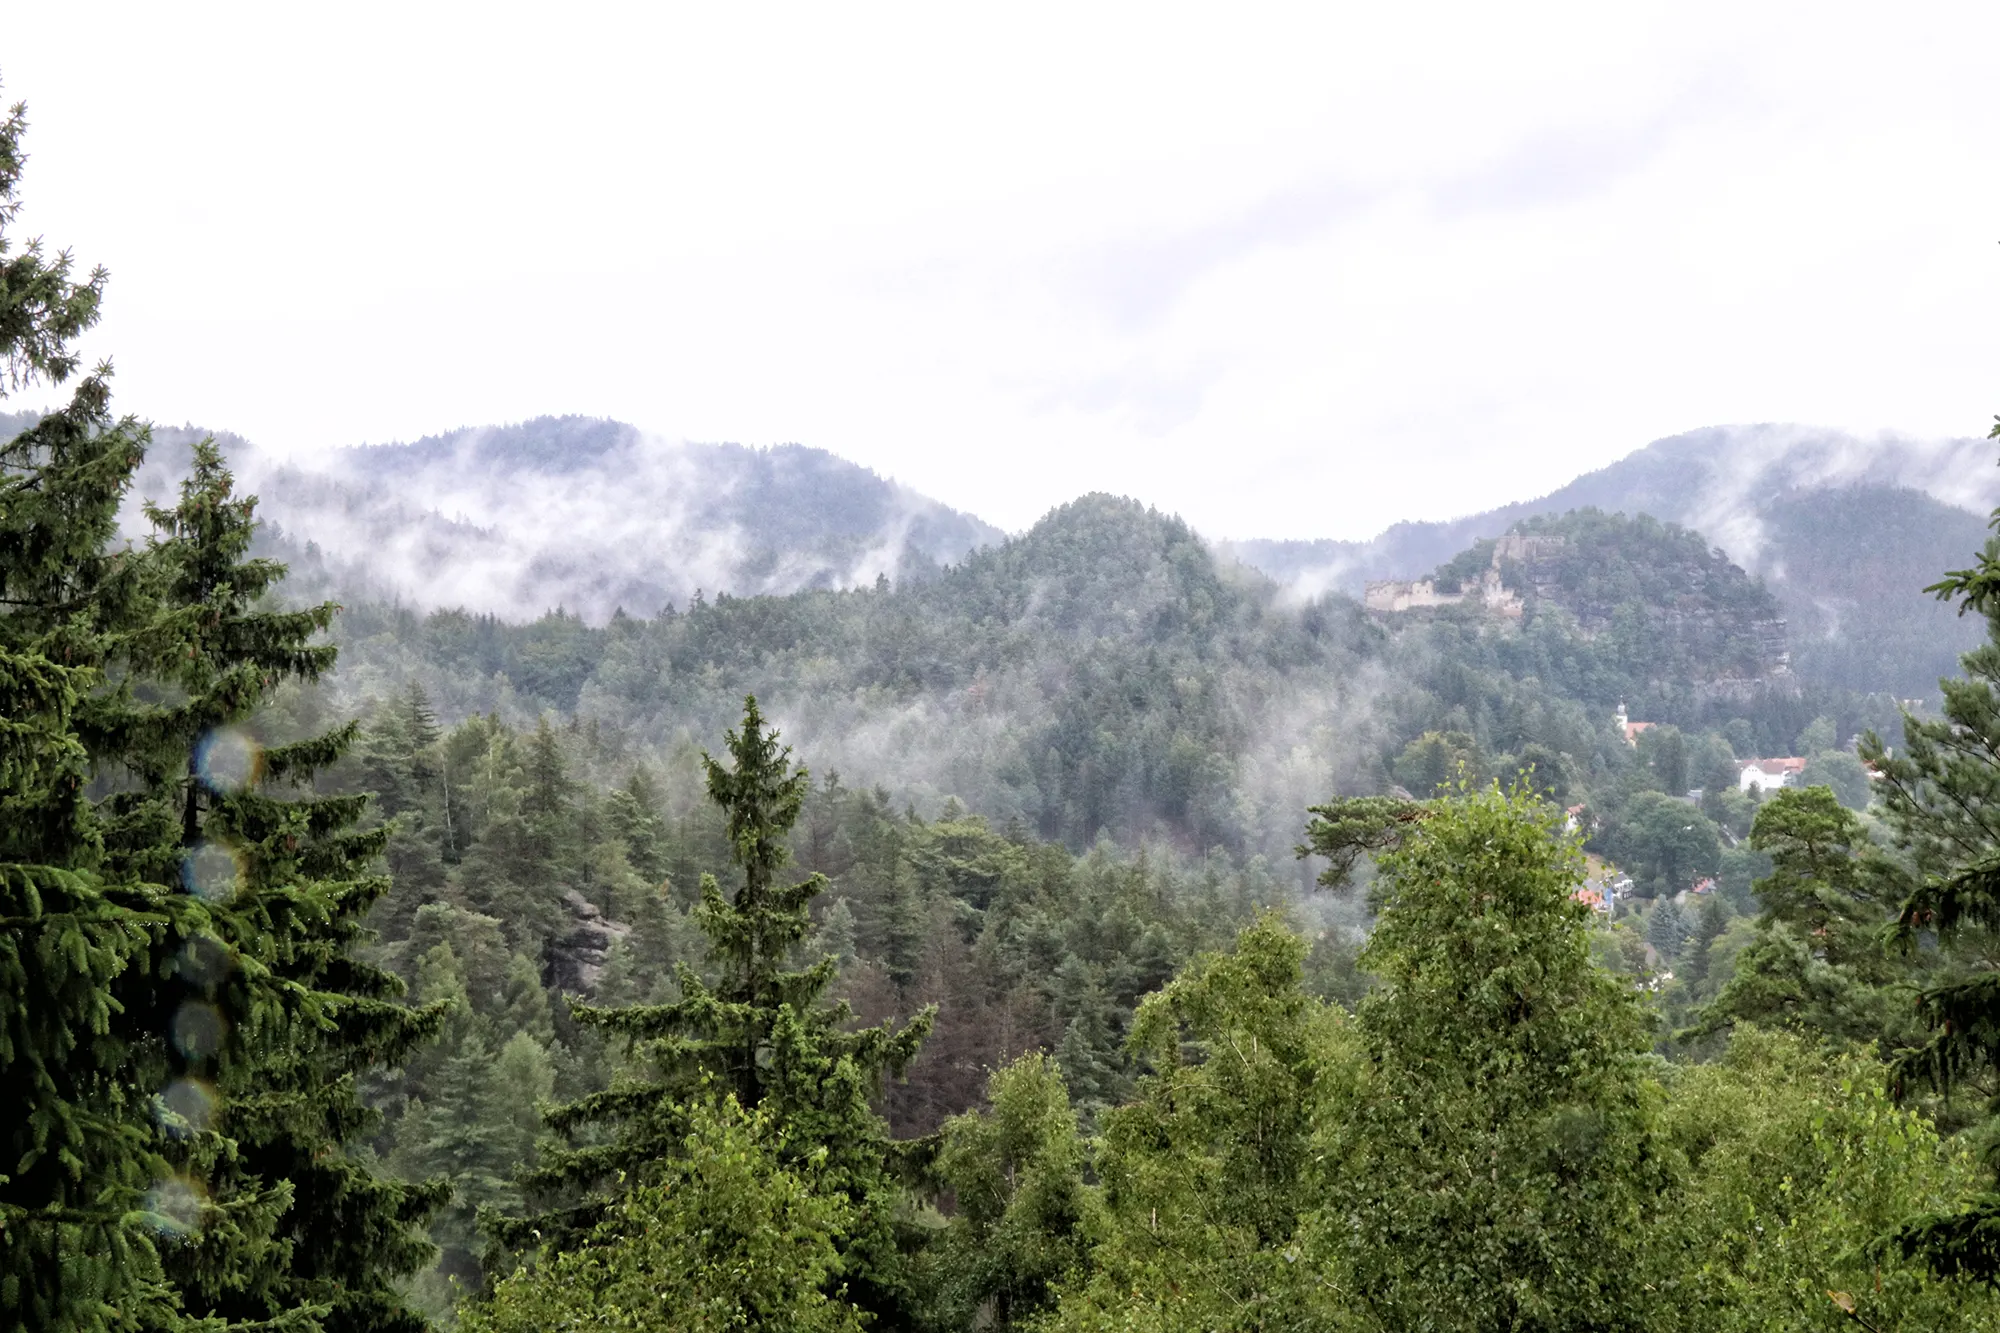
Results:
[228, 760]
[174, 1206]
[211, 872]
[204, 962]
[198, 1030]
[187, 1107]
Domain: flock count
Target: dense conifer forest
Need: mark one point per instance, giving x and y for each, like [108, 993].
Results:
[1086, 934]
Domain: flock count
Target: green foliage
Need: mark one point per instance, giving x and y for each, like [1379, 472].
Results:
[1023, 1216]
[1499, 1169]
[1667, 930]
[762, 1030]
[1818, 962]
[208, 1049]
[41, 309]
[1664, 752]
[733, 1232]
[95, 961]
[474, 1120]
[1020, 944]
[1666, 845]
[1437, 760]
[1345, 831]
[1795, 1168]
[191, 1017]
[1209, 1173]
[1936, 799]
[1639, 603]
[204, 800]
[1843, 774]
[80, 953]
[1819, 736]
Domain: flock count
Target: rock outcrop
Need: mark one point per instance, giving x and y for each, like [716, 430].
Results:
[576, 960]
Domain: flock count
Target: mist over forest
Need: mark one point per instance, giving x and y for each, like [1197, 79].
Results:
[547, 876]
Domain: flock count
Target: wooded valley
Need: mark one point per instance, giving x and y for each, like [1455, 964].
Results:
[1085, 933]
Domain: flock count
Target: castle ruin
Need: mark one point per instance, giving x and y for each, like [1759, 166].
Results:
[1531, 553]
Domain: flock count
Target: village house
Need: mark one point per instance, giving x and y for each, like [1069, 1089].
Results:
[1768, 774]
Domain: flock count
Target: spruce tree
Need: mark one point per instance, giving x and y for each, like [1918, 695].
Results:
[86, 955]
[467, 1124]
[400, 759]
[297, 1221]
[761, 1032]
[83, 1011]
[633, 812]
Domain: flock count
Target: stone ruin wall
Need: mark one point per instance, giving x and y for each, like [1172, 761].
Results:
[1531, 553]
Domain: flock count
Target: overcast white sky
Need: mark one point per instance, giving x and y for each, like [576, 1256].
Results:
[1290, 271]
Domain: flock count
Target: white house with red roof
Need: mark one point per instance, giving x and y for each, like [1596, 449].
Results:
[1768, 774]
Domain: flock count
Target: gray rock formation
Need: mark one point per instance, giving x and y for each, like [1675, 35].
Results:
[576, 961]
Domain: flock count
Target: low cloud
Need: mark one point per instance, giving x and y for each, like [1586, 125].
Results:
[587, 515]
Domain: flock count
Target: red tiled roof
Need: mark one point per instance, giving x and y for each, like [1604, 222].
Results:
[1792, 765]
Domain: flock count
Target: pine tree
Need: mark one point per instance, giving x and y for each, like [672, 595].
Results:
[762, 1033]
[1667, 931]
[518, 866]
[401, 761]
[204, 804]
[475, 1119]
[547, 802]
[81, 953]
[729, 1235]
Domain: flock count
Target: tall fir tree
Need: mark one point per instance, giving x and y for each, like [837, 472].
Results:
[762, 1032]
[239, 826]
[400, 759]
[86, 954]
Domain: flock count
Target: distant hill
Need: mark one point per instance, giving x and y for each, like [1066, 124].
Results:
[1106, 672]
[1102, 671]
[1845, 531]
[593, 516]
[1613, 608]
[586, 514]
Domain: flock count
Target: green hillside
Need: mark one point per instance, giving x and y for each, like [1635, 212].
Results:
[1620, 607]
[1844, 532]
[1855, 561]
[835, 918]
[1106, 674]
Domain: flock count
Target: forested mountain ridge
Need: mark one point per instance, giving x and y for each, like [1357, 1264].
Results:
[1101, 672]
[1844, 530]
[591, 515]
[1107, 673]
[1656, 605]
[582, 513]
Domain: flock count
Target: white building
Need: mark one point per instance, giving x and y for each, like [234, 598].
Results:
[1768, 774]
